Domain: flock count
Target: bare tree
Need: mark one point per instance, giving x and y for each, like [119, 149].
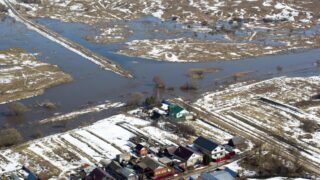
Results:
[135, 99]
[17, 109]
[9, 137]
[159, 83]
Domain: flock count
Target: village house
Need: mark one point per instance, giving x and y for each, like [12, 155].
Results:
[99, 174]
[119, 172]
[208, 147]
[152, 168]
[123, 158]
[129, 174]
[169, 151]
[141, 150]
[188, 156]
[177, 112]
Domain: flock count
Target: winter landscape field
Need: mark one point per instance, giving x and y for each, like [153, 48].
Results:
[159, 89]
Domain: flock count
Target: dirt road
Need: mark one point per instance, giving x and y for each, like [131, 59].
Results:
[72, 46]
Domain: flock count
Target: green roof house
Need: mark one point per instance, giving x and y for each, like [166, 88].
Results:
[176, 111]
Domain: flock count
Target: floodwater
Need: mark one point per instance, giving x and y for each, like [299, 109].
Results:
[94, 85]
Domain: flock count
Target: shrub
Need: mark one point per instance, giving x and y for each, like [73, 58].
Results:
[309, 126]
[279, 68]
[3, 8]
[47, 104]
[37, 134]
[159, 82]
[150, 101]
[185, 130]
[17, 108]
[207, 160]
[9, 137]
[135, 99]
[189, 86]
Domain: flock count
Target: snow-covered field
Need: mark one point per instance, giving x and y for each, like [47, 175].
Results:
[185, 11]
[58, 155]
[276, 114]
[194, 50]
[248, 27]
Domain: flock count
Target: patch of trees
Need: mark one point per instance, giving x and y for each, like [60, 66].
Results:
[268, 162]
[189, 87]
[9, 137]
[207, 160]
[135, 99]
[159, 83]
[185, 130]
[17, 109]
[150, 101]
[3, 8]
[309, 126]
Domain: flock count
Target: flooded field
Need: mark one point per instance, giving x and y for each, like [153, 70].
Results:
[92, 85]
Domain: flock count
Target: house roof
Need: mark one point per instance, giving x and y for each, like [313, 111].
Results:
[231, 172]
[150, 163]
[183, 153]
[222, 175]
[206, 176]
[99, 174]
[126, 172]
[115, 166]
[205, 143]
[139, 147]
[165, 160]
[175, 109]
[171, 149]
[237, 140]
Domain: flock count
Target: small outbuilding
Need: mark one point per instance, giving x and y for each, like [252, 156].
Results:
[141, 150]
[236, 141]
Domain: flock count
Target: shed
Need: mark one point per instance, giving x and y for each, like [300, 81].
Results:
[236, 141]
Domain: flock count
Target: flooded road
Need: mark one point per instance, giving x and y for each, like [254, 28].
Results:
[94, 85]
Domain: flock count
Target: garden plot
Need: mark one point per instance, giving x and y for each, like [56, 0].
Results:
[273, 116]
[23, 76]
[60, 154]
[285, 89]
[211, 131]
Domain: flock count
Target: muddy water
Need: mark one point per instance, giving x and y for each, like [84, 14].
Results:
[93, 84]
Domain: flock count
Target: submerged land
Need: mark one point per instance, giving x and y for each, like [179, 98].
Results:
[222, 30]
[190, 109]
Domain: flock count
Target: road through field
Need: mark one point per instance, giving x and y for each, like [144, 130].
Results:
[72, 46]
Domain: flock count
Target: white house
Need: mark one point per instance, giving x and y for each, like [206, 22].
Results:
[188, 156]
[208, 147]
